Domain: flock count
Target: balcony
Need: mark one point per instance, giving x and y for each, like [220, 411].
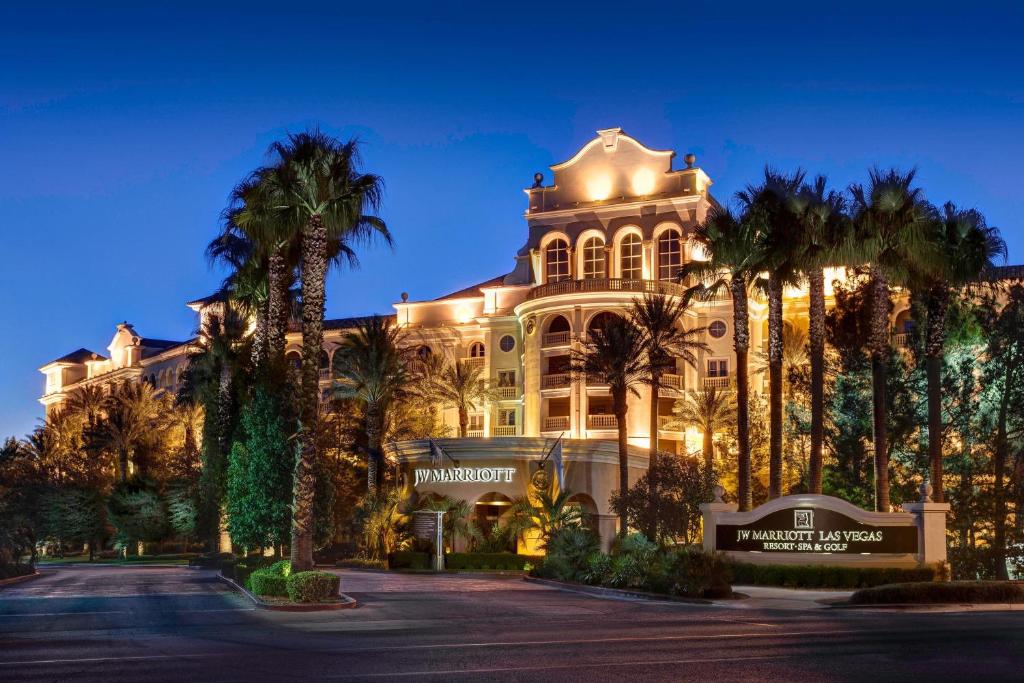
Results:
[505, 430]
[716, 382]
[555, 339]
[669, 423]
[559, 423]
[508, 393]
[475, 362]
[901, 340]
[326, 375]
[559, 380]
[604, 285]
[596, 381]
[672, 382]
[602, 422]
[474, 432]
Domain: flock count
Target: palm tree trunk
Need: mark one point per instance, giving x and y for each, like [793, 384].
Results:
[277, 306]
[655, 394]
[816, 342]
[259, 337]
[775, 387]
[463, 421]
[373, 438]
[999, 470]
[619, 406]
[879, 377]
[652, 490]
[709, 449]
[741, 344]
[122, 463]
[314, 280]
[938, 302]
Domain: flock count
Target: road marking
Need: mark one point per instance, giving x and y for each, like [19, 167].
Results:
[87, 660]
[557, 667]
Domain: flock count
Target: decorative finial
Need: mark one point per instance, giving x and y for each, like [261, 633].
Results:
[690, 159]
[926, 491]
[719, 492]
[538, 179]
[405, 296]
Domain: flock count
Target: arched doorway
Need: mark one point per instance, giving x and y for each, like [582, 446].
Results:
[488, 511]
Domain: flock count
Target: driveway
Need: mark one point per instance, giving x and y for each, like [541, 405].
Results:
[150, 624]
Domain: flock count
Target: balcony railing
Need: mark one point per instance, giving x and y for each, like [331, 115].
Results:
[596, 381]
[559, 380]
[508, 393]
[505, 430]
[669, 423]
[326, 374]
[716, 382]
[558, 423]
[474, 362]
[555, 339]
[604, 285]
[901, 340]
[672, 382]
[602, 422]
[475, 432]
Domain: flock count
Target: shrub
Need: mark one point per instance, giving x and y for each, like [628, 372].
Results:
[636, 561]
[282, 567]
[505, 561]
[931, 592]
[813, 576]
[576, 544]
[9, 571]
[362, 563]
[313, 586]
[598, 570]
[694, 573]
[554, 567]
[408, 559]
[266, 581]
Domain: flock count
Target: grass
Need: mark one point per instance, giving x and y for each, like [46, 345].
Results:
[138, 560]
[983, 592]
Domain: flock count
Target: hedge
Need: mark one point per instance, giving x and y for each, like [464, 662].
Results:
[266, 581]
[313, 586]
[814, 576]
[239, 571]
[930, 592]
[506, 561]
[408, 559]
[9, 571]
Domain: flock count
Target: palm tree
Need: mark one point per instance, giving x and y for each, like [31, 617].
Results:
[769, 206]
[709, 409]
[728, 243]
[323, 195]
[968, 249]
[891, 227]
[660, 319]
[460, 386]
[823, 230]
[134, 414]
[614, 355]
[372, 370]
[89, 403]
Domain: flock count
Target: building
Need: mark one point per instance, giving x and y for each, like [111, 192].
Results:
[611, 225]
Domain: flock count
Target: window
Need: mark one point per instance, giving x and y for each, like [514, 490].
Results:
[556, 256]
[507, 343]
[593, 258]
[506, 378]
[476, 350]
[631, 258]
[476, 422]
[507, 417]
[599, 321]
[718, 368]
[717, 329]
[670, 254]
[424, 352]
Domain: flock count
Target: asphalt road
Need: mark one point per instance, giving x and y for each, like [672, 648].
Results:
[155, 624]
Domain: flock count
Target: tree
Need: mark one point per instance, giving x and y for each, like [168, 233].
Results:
[134, 415]
[728, 244]
[322, 194]
[461, 386]
[614, 355]
[550, 514]
[138, 512]
[967, 250]
[823, 230]
[891, 225]
[769, 207]
[371, 367]
[709, 409]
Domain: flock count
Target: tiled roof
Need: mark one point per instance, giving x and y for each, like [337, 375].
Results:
[79, 356]
[474, 291]
[350, 323]
[216, 296]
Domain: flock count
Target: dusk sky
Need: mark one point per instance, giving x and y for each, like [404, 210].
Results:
[122, 131]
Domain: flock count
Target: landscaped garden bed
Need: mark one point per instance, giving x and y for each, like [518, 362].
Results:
[815, 576]
[275, 585]
[955, 592]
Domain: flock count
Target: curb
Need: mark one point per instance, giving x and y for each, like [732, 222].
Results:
[602, 591]
[923, 606]
[20, 579]
[348, 602]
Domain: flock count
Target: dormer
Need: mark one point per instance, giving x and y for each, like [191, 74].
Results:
[125, 348]
[615, 168]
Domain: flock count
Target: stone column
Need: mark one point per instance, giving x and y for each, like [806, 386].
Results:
[607, 528]
[931, 527]
[709, 515]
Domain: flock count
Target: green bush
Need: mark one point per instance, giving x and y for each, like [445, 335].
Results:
[282, 567]
[554, 567]
[408, 559]
[932, 592]
[813, 576]
[9, 571]
[313, 586]
[637, 560]
[694, 573]
[599, 568]
[576, 544]
[266, 581]
[504, 561]
[361, 563]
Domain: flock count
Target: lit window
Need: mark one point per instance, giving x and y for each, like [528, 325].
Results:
[507, 343]
[507, 418]
[717, 329]
[476, 350]
[718, 368]
[593, 258]
[670, 254]
[506, 378]
[556, 256]
[631, 258]
[476, 422]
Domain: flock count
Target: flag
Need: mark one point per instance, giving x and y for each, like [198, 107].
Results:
[556, 456]
[435, 454]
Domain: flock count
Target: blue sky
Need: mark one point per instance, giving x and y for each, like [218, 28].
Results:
[122, 129]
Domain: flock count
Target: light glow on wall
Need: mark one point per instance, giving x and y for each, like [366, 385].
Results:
[599, 187]
[643, 182]
[463, 314]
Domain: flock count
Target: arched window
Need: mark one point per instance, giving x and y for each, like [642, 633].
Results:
[476, 350]
[670, 254]
[556, 258]
[631, 260]
[325, 360]
[559, 324]
[600, 320]
[424, 352]
[294, 358]
[593, 258]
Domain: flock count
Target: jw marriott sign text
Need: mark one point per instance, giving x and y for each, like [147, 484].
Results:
[457, 475]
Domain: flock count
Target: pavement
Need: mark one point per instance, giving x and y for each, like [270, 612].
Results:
[173, 624]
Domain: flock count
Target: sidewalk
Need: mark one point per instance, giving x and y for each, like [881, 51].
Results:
[769, 597]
